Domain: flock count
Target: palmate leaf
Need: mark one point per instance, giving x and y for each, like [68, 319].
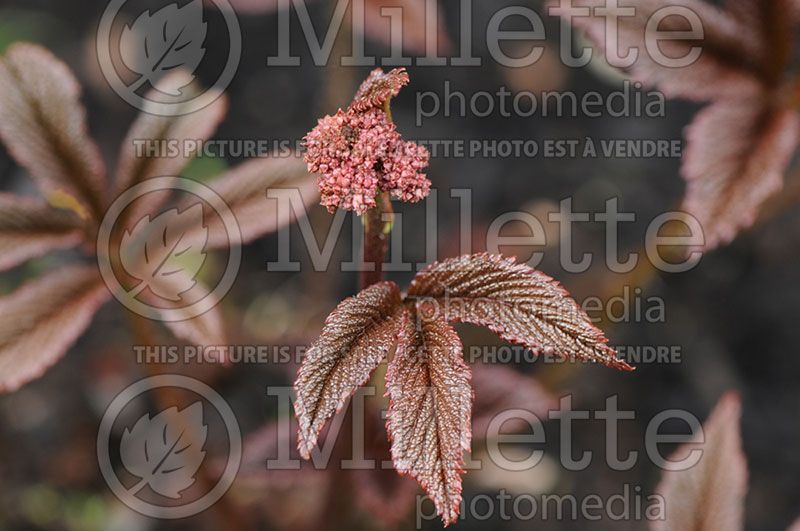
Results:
[739, 147]
[378, 88]
[43, 124]
[204, 329]
[427, 381]
[155, 130]
[518, 303]
[709, 495]
[43, 318]
[429, 413]
[168, 136]
[244, 190]
[31, 228]
[357, 336]
[728, 66]
[735, 158]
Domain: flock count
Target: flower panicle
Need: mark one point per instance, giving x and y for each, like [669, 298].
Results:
[359, 153]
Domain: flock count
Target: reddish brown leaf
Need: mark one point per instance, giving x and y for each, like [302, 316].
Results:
[710, 495]
[206, 329]
[736, 155]
[244, 190]
[769, 25]
[152, 131]
[738, 148]
[518, 303]
[43, 318]
[499, 388]
[356, 338]
[731, 62]
[429, 413]
[43, 124]
[30, 228]
[378, 88]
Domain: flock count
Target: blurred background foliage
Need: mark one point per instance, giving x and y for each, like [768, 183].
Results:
[733, 316]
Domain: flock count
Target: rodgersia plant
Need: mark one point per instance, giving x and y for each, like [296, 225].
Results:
[363, 162]
[739, 145]
[43, 126]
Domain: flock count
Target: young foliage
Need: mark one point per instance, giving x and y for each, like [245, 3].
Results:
[519, 304]
[357, 336]
[427, 381]
[380, 491]
[430, 410]
[709, 495]
[43, 318]
[43, 125]
[739, 146]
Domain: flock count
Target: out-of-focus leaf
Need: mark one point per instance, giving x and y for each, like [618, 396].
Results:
[205, 329]
[730, 63]
[710, 495]
[30, 228]
[518, 303]
[357, 336]
[499, 388]
[170, 137]
[43, 318]
[735, 159]
[737, 149]
[244, 190]
[43, 124]
[428, 420]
